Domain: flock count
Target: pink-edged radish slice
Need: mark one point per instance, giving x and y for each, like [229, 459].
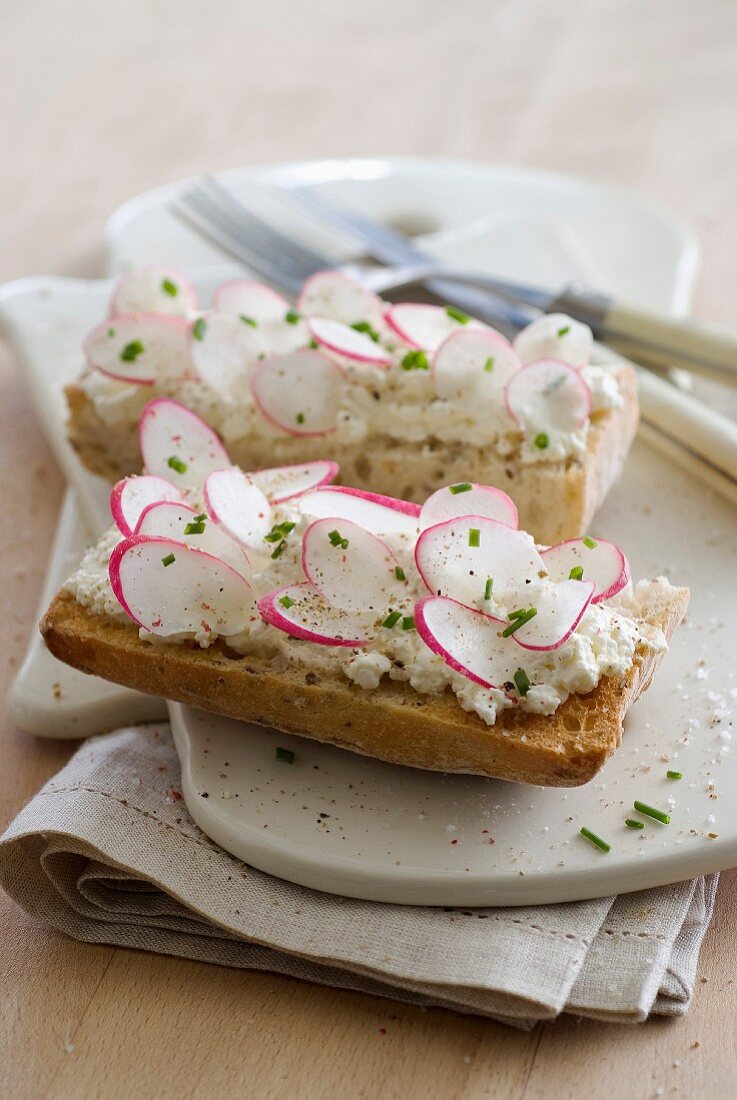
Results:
[467, 640]
[344, 341]
[383, 516]
[336, 296]
[168, 588]
[559, 608]
[555, 336]
[457, 557]
[130, 496]
[299, 392]
[602, 562]
[177, 444]
[154, 289]
[282, 483]
[350, 567]
[139, 347]
[425, 326]
[548, 394]
[238, 506]
[467, 499]
[223, 349]
[254, 301]
[170, 519]
[300, 611]
[473, 362]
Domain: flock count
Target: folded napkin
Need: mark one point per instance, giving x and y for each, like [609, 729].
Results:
[107, 853]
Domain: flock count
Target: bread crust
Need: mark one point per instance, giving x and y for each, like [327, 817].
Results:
[556, 501]
[394, 722]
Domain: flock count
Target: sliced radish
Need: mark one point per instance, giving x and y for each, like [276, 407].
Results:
[468, 499]
[177, 444]
[154, 289]
[345, 341]
[425, 326]
[555, 336]
[559, 608]
[456, 558]
[602, 562]
[193, 593]
[139, 347]
[383, 516]
[170, 519]
[300, 611]
[130, 496]
[223, 350]
[299, 392]
[238, 506]
[350, 567]
[334, 295]
[548, 393]
[473, 362]
[255, 301]
[467, 640]
[282, 483]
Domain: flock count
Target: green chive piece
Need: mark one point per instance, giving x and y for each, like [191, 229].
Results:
[518, 614]
[392, 619]
[596, 840]
[364, 326]
[489, 588]
[279, 532]
[286, 601]
[474, 536]
[111, 332]
[199, 328]
[175, 463]
[674, 775]
[168, 560]
[291, 317]
[564, 331]
[415, 360]
[249, 321]
[278, 550]
[576, 574]
[300, 418]
[518, 620]
[522, 681]
[336, 539]
[169, 287]
[643, 808]
[131, 351]
[589, 542]
[399, 573]
[457, 315]
[462, 487]
[286, 755]
[197, 527]
[542, 440]
[633, 823]
[408, 622]
[489, 364]
[313, 344]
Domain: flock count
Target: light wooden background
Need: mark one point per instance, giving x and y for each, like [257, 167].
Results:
[100, 101]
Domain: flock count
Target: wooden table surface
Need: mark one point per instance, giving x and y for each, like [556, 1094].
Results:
[103, 101]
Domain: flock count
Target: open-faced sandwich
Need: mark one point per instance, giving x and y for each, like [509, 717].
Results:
[439, 636]
[408, 397]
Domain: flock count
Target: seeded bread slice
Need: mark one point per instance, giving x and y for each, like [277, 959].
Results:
[556, 500]
[394, 722]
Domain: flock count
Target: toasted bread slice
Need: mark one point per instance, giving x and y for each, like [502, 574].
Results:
[394, 722]
[556, 500]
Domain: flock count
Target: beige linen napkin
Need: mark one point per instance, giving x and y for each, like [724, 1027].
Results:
[107, 853]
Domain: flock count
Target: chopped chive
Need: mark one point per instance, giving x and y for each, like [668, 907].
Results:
[336, 539]
[489, 364]
[542, 440]
[596, 840]
[474, 536]
[168, 560]
[285, 754]
[196, 527]
[278, 550]
[643, 808]
[408, 622]
[199, 328]
[522, 681]
[392, 619]
[131, 351]
[249, 321]
[291, 317]
[415, 360]
[313, 344]
[286, 601]
[674, 775]
[517, 614]
[589, 542]
[564, 331]
[169, 287]
[457, 315]
[576, 573]
[399, 573]
[462, 487]
[517, 621]
[633, 823]
[300, 418]
[489, 588]
[364, 326]
[279, 532]
[175, 463]
[111, 332]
